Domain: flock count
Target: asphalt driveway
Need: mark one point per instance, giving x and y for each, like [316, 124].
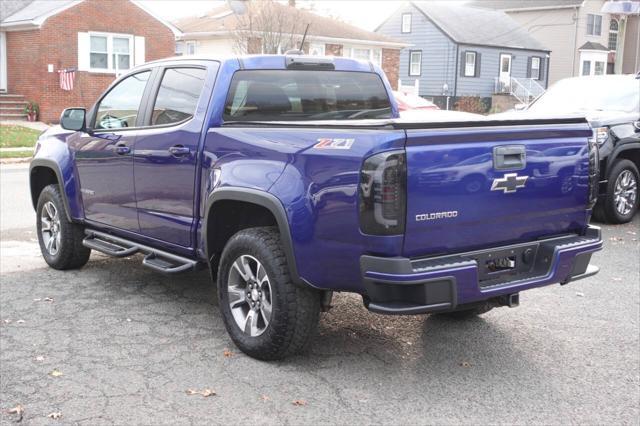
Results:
[118, 343]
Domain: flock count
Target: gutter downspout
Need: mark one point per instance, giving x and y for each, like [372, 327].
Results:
[575, 44]
[455, 73]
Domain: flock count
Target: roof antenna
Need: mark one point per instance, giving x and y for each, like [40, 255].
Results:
[299, 51]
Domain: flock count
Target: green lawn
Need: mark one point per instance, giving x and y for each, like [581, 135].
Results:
[18, 136]
[16, 154]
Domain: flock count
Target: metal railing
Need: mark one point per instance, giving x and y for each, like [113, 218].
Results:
[525, 90]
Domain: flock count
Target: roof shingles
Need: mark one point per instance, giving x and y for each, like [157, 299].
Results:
[478, 26]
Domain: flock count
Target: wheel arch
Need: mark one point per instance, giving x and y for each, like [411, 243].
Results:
[628, 151]
[44, 172]
[256, 201]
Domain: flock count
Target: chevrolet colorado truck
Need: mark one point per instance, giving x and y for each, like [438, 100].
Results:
[291, 177]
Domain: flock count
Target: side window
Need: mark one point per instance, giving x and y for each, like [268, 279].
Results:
[119, 108]
[178, 95]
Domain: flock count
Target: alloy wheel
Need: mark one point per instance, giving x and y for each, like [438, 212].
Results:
[625, 192]
[250, 297]
[50, 228]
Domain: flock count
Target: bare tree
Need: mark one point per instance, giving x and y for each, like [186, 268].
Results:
[268, 27]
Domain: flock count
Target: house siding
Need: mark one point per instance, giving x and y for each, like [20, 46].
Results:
[484, 85]
[56, 43]
[438, 51]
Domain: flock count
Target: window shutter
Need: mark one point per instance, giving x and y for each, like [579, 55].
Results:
[83, 52]
[138, 50]
[529, 60]
[478, 62]
[463, 57]
[542, 68]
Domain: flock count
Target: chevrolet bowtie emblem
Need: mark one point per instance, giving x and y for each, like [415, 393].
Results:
[509, 183]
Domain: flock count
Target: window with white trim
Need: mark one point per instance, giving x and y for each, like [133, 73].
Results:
[364, 54]
[599, 68]
[586, 67]
[110, 52]
[190, 48]
[535, 68]
[613, 34]
[406, 23]
[470, 64]
[594, 24]
[415, 62]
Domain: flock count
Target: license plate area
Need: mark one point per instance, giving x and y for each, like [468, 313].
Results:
[503, 265]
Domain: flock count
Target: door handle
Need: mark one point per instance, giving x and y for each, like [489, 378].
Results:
[510, 157]
[122, 149]
[179, 150]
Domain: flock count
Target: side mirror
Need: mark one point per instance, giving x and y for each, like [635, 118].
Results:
[74, 119]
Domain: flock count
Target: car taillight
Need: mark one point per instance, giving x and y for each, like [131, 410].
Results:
[594, 172]
[382, 194]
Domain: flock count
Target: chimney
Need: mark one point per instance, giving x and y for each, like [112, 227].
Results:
[292, 3]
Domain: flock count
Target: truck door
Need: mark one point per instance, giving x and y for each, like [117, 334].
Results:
[104, 157]
[166, 153]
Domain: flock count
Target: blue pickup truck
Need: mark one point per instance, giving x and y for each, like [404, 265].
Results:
[290, 177]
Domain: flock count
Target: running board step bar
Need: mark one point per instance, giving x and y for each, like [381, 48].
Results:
[155, 259]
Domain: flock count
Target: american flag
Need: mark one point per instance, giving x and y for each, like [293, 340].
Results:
[66, 78]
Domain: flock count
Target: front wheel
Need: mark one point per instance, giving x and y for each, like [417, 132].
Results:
[267, 315]
[60, 239]
[621, 201]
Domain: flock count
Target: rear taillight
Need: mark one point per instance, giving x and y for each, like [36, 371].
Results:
[594, 172]
[382, 194]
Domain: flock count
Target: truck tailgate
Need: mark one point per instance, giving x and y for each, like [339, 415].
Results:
[484, 186]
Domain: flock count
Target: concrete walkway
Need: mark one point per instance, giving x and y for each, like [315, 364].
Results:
[36, 125]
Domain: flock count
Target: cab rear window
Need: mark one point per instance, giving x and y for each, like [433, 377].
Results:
[293, 95]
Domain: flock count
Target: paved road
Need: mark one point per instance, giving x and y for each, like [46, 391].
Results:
[130, 342]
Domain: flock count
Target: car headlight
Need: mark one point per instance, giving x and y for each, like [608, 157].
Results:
[600, 135]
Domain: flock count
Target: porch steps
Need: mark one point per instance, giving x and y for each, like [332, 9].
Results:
[12, 107]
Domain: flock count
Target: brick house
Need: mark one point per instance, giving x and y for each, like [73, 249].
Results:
[38, 38]
[214, 33]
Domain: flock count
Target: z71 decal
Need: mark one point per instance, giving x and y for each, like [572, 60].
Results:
[334, 143]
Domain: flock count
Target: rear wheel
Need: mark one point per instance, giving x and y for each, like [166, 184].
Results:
[621, 201]
[60, 240]
[267, 315]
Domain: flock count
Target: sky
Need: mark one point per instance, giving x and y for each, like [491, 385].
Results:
[367, 14]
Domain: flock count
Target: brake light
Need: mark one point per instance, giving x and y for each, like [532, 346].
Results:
[594, 172]
[382, 194]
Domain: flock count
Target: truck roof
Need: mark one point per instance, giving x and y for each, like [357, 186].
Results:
[276, 61]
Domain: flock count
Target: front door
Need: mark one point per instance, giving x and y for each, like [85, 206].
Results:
[505, 71]
[166, 155]
[104, 157]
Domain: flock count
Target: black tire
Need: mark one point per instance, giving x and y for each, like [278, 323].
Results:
[70, 254]
[467, 313]
[294, 309]
[608, 211]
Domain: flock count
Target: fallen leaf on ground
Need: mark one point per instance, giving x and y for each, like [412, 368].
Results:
[203, 392]
[265, 398]
[39, 358]
[55, 415]
[6, 321]
[47, 299]
[617, 279]
[227, 353]
[579, 294]
[20, 322]
[128, 319]
[56, 373]
[299, 402]
[465, 364]
[37, 300]
[17, 410]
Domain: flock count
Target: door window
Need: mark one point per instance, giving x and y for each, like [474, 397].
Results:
[178, 95]
[119, 108]
[506, 64]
